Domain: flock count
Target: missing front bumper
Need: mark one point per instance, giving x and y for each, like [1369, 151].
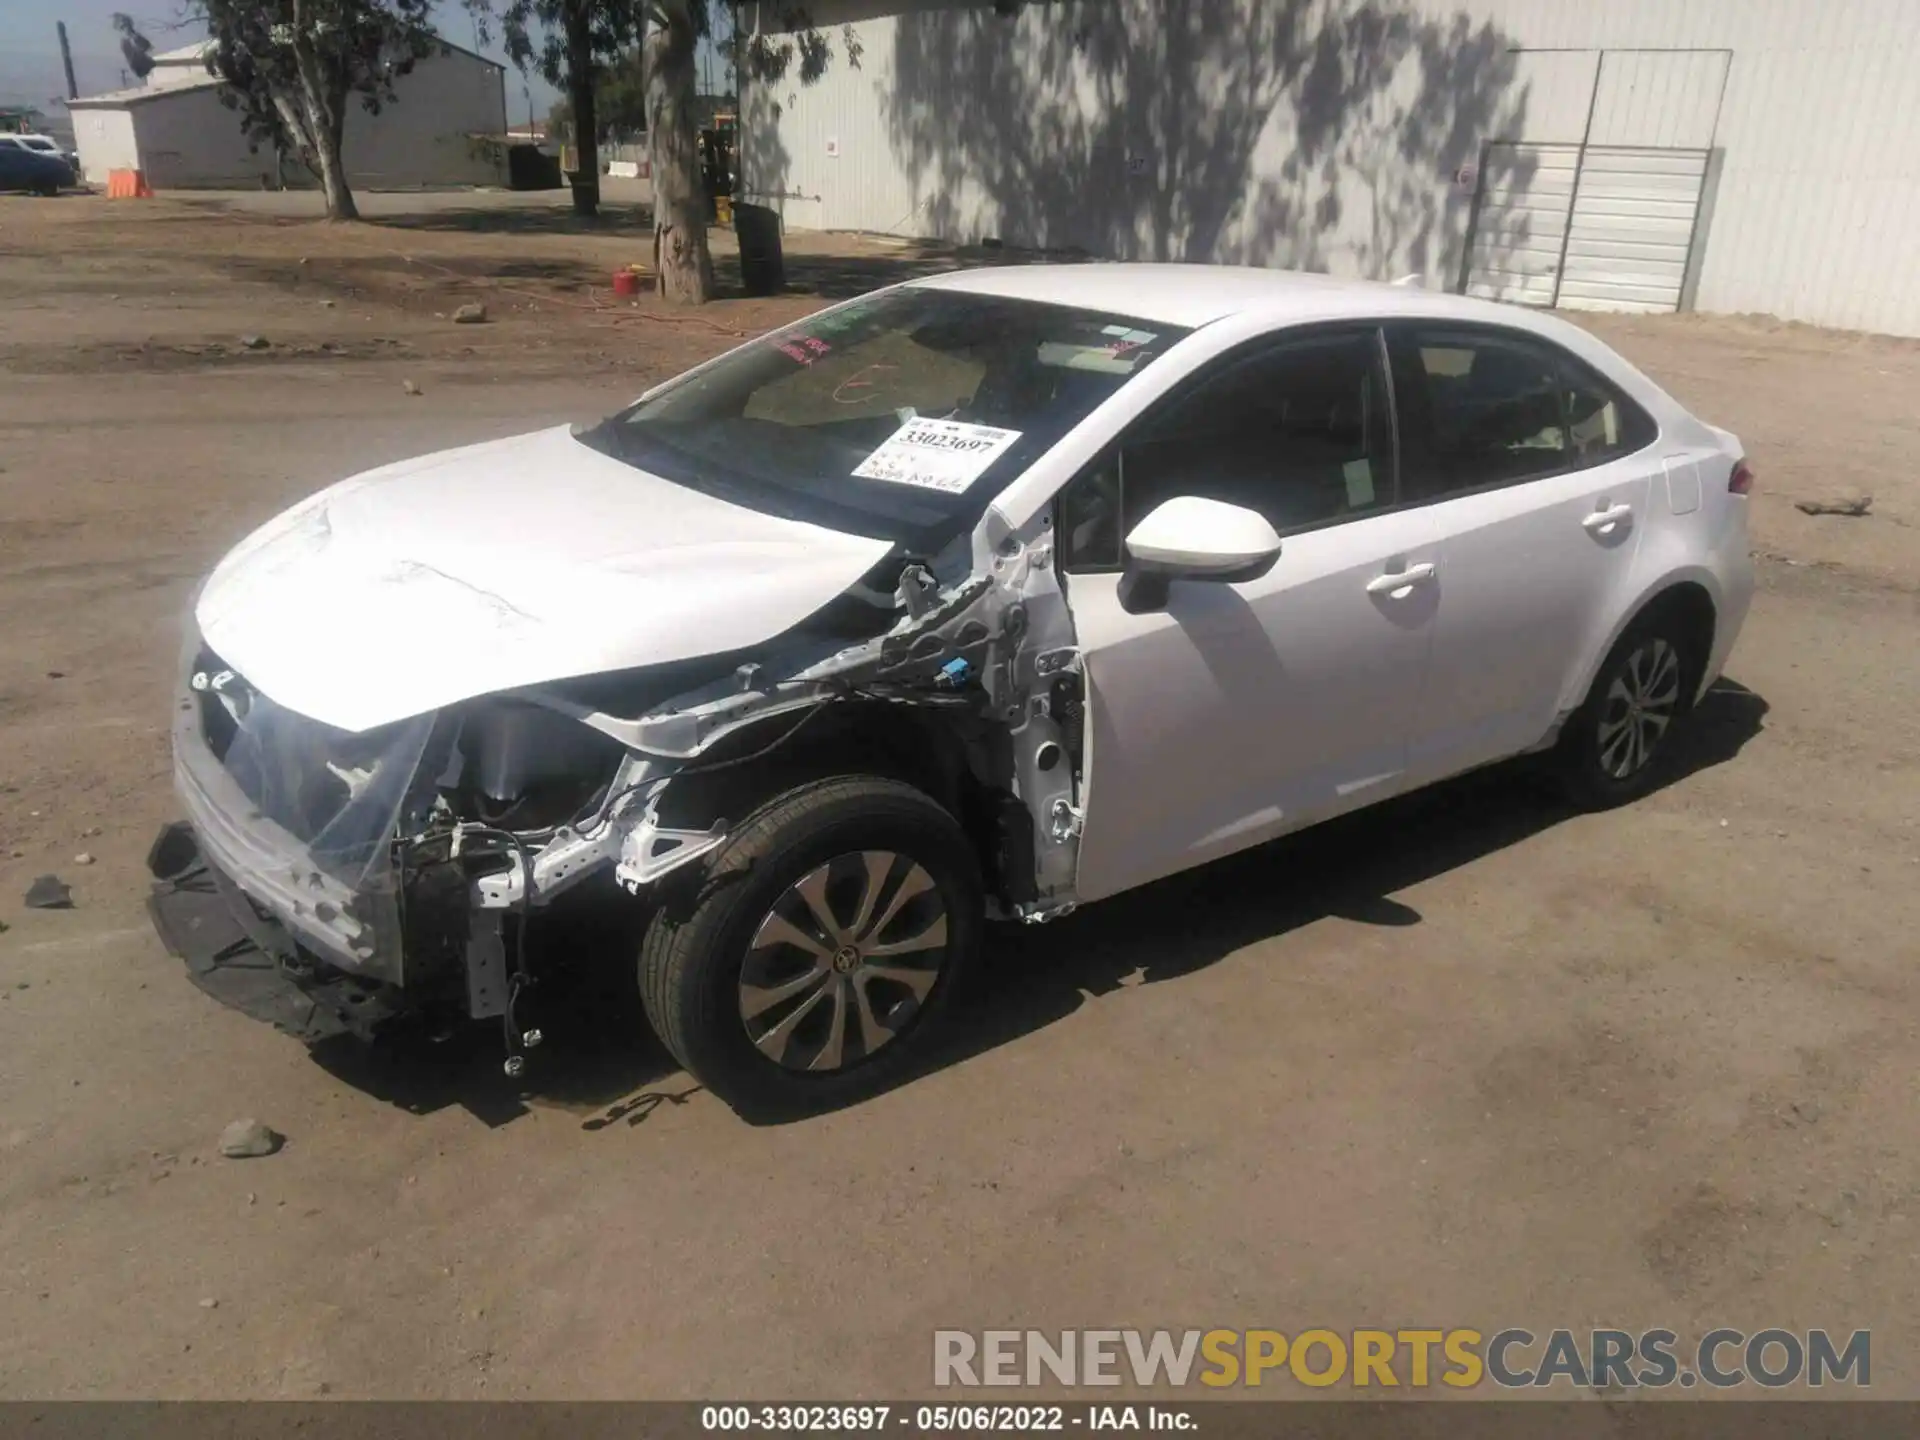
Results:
[249, 961]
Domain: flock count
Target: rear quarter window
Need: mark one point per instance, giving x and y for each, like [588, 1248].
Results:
[1484, 407]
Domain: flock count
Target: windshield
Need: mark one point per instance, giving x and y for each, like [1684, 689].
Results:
[898, 416]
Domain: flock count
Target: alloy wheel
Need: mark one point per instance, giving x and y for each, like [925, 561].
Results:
[843, 961]
[1639, 706]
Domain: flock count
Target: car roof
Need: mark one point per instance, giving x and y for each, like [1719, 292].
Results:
[1194, 295]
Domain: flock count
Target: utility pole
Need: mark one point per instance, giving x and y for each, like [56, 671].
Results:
[66, 59]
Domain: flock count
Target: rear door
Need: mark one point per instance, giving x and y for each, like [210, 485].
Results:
[1538, 475]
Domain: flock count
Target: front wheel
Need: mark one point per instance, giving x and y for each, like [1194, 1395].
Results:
[821, 950]
[1615, 747]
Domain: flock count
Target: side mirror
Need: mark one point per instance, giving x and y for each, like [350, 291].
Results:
[1190, 538]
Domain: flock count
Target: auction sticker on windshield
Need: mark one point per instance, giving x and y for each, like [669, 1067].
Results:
[944, 455]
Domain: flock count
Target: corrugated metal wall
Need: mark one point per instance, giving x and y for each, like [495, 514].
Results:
[1338, 145]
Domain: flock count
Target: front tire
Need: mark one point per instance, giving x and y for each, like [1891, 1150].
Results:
[1616, 747]
[821, 950]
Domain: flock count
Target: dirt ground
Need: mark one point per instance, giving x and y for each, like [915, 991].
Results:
[1463, 1061]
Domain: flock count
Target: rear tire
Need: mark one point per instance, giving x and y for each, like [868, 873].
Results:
[824, 944]
[1618, 745]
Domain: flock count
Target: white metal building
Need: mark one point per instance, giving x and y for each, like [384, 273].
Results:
[443, 128]
[1725, 155]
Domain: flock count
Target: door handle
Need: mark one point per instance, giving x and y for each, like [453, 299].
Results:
[1601, 521]
[1400, 582]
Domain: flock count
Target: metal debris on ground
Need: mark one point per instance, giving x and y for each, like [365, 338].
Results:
[1855, 507]
[49, 892]
[246, 1139]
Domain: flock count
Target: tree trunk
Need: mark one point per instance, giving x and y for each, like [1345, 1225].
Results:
[333, 177]
[323, 111]
[586, 125]
[681, 257]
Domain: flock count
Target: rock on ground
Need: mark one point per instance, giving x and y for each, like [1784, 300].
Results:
[246, 1139]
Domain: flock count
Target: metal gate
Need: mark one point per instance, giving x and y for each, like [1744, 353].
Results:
[1588, 228]
[1604, 204]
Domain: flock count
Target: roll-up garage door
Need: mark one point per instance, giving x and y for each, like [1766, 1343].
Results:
[1631, 229]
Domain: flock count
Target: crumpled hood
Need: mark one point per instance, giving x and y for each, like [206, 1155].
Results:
[505, 564]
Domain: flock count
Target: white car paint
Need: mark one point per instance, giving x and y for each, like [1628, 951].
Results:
[1242, 711]
[1534, 573]
[1376, 654]
[502, 565]
[1193, 533]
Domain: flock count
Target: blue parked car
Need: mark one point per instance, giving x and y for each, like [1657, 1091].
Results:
[22, 168]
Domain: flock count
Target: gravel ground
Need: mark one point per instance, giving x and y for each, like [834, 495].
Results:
[1462, 1061]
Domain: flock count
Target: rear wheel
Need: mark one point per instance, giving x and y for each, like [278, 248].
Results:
[822, 949]
[1616, 746]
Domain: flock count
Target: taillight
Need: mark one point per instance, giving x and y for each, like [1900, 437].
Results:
[1741, 481]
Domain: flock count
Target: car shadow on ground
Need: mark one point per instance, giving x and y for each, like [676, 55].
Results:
[597, 1057]
[603, 1062]
[1349, 868]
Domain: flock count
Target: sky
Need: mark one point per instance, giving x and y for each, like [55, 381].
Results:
[30, 70]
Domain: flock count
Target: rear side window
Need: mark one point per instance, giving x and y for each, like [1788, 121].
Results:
[1483, 408]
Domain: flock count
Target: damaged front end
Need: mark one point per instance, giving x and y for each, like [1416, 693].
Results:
[332, 882]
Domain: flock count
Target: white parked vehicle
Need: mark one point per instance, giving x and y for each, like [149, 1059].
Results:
[980, 597]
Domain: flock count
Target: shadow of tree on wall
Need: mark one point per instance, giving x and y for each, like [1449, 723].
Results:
[1308, 134]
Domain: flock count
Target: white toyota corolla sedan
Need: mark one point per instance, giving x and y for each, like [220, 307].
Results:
[980, 597]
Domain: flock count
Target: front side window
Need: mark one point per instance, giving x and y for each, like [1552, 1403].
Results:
[899, 416]
[1300, 432]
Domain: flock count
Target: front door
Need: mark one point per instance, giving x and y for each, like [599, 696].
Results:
[1240, 711]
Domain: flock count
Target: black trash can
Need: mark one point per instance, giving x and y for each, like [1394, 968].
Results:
[763, 269]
